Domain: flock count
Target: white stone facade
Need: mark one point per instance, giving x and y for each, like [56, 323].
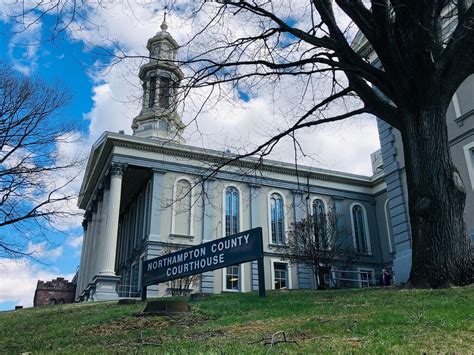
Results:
[135, 207]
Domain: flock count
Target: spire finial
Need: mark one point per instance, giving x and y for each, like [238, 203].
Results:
[164, 25]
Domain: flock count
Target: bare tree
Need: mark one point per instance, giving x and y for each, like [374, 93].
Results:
[33, 175]
[420, 68]
[318, 242]
[184, 285]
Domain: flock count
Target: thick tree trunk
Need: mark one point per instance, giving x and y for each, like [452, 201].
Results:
[441, 249]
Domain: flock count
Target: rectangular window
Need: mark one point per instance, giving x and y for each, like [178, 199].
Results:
[152, 93]
[232, 278]
[281, 276]
[164, 92]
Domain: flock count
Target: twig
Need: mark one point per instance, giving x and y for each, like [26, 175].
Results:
[274, 341]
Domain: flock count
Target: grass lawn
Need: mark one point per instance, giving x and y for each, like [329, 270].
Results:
[359, 320]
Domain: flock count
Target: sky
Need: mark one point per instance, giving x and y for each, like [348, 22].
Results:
[105, 97]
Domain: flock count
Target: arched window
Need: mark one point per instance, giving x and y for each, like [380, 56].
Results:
[182, 208]
[277, 215]
[360, 230]
[52, 301]
[232, 207]
[320, 223]
[152, 92]
[231, 211]
[388, 222]
[164, 99]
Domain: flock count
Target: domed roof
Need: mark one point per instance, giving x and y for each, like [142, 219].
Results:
[161, 36]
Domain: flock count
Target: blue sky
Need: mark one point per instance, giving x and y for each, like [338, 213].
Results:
[107, 98]
[65, 62]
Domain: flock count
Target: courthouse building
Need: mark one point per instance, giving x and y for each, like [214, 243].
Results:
[147, 192]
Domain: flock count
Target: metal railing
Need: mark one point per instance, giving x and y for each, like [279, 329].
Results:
[353, 278]
[129, 291]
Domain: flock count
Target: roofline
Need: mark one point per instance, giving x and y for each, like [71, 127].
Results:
[110, 139]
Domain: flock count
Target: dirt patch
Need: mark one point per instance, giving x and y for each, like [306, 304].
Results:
[142, 322]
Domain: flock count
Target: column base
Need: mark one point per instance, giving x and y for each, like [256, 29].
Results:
[105, 287]
[89, 292]
[85, 295]
[106, 273]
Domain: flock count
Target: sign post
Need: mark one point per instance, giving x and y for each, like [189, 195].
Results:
[234, 249]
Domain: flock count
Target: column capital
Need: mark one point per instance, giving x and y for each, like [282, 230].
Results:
[117, 169]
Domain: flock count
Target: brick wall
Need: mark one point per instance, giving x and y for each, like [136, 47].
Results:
[54, 292]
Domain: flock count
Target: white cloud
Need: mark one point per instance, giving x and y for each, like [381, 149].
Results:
[24, 46]
[74, 241]
[44, 251]
[19, 279]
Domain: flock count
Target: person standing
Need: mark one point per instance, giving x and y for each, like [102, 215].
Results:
[385, 278]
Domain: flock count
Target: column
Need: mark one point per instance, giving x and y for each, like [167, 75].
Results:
[105, 281]
[255, 221]
[80, 273]
[85, 249]
[111, 230]
[306, 278]
[207, 280]
[103, 225]
[90, 237]
[95, 235]
[95, 242]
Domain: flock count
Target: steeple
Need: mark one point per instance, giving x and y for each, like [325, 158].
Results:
[160, 79]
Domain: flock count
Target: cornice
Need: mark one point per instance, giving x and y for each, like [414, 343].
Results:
[101, 157]
[212, 157]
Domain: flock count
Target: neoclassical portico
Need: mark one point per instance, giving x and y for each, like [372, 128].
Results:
[97, 279]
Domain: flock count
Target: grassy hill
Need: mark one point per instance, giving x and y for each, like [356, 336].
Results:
[361, 320]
